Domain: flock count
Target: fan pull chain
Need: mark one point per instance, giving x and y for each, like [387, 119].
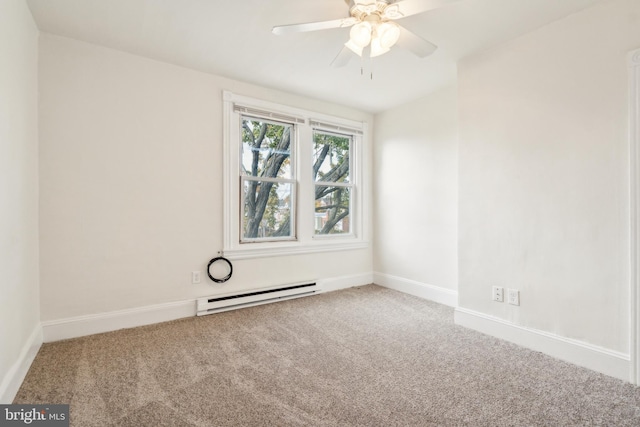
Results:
[363, 58]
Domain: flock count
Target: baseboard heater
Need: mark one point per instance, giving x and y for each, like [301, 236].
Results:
[220, 303]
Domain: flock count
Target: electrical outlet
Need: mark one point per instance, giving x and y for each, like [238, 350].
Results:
[497, 294]
[195, 277]
[513, 296]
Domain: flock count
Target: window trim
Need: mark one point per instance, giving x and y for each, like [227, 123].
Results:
[234, 106]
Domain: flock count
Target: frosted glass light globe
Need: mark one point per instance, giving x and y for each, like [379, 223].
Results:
[388, 33]
[376, 48]
[361, 34]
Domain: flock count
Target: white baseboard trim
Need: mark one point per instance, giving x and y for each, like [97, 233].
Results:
[344, 282]
[608, 362]
[15, 376]
[73, 327]
[418, 289]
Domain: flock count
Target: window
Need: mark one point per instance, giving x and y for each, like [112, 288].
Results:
[292, 180]
[267, 181]
[331, 167]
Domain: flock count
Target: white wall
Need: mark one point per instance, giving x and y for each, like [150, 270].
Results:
[19, 308]
[131, 183]
[415, 180]
[544, 176]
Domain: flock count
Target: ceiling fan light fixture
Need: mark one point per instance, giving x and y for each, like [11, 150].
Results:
[377, 48]
[388, 34]
[373, 30]
[354, 47]
[360, 34]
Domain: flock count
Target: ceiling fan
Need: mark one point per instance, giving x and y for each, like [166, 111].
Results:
[373, 30]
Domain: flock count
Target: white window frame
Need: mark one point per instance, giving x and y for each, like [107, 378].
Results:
[318, 127]
[292, 180]
[307, 241]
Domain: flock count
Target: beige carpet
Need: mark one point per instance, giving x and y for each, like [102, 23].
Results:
[365, 356]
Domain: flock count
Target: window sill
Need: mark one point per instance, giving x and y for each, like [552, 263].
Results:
[262, 251]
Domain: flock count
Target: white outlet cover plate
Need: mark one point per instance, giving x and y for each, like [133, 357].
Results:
[497, 294]
[513, 296]
[195, 277]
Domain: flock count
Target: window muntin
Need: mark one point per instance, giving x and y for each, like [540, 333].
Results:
[267, 180]
[332, 181]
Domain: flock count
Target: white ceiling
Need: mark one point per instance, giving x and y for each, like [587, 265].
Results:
[233, 39]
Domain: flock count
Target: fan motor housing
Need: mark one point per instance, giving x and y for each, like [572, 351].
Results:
[360, 9]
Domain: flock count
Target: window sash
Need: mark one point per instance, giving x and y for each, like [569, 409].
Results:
[292, 236]
[245, 178]
[351, 138]
[292, 142]
[349, 217]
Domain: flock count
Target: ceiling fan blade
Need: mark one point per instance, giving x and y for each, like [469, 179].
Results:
[415, 43]
[314, 26]
[404, 8]
[342, 58]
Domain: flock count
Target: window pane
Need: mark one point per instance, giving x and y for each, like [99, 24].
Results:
[266, 148]
[332, 210]
[267, 210]
[330, 157]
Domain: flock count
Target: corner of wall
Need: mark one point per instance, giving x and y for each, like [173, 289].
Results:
[422, 290]
[15, 376]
